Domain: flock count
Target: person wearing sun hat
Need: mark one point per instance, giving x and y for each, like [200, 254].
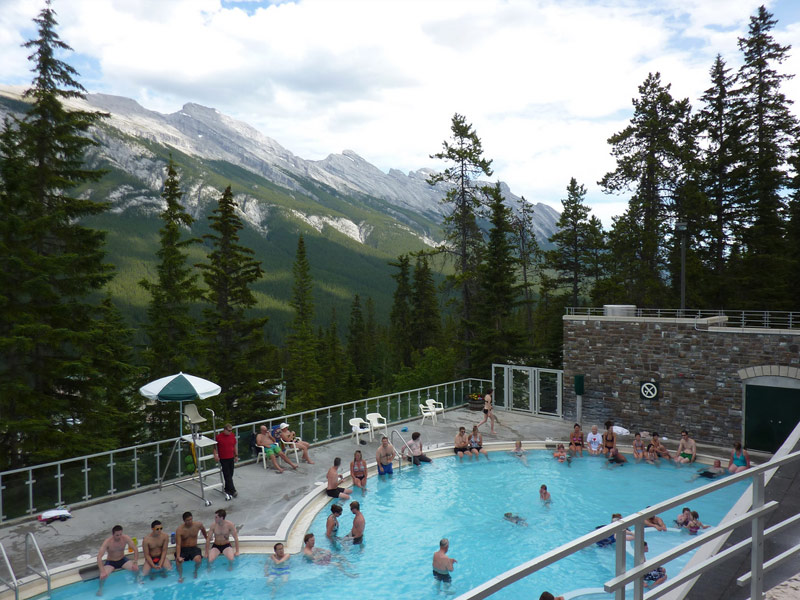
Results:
[289, 436]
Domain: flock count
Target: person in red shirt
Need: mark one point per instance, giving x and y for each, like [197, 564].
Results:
[226, 453]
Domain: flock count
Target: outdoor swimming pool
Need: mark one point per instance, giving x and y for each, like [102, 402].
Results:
[407, 514]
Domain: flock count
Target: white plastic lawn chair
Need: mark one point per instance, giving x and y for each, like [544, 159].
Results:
[427, 412]
[436, 407]
[359, 426]
[376, 421]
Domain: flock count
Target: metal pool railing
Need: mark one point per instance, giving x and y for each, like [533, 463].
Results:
[755, 517]
[78, 481]
[756, 319]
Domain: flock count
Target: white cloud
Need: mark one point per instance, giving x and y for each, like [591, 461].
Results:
[545, 83]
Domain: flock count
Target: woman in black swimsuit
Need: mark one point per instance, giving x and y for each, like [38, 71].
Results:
[609, 438]
[488, 409]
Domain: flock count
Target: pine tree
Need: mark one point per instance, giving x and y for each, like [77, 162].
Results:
[400, 315]
[333, 365]
[464, 240]
[170, 327]
[571, 256]
[235, 355]
[357, 345]
[529, 256]
[721, 132]
[498, 338]
[50, 263]
[767, 130]
[650, 163]
[425, 324]
[303, 377]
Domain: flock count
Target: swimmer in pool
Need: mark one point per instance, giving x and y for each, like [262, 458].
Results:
[515, 519]
[443, 565]
[520, 453]
[277, 569]
[320, 556]
[710, 472]
[544, 495]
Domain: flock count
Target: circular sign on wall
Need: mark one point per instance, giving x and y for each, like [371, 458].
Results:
[648, 390]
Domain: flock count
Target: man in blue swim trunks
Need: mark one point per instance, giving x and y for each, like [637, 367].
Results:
[443, 564]
[115, 546]
[384, 457]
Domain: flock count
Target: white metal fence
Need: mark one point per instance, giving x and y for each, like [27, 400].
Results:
[84, 479]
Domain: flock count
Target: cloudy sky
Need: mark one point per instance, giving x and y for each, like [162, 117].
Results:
[544, 82]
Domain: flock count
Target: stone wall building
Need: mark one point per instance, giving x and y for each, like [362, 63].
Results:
[721, 383]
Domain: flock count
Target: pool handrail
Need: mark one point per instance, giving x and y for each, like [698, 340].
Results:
[396, 452]
[755, 516]
[13, 583]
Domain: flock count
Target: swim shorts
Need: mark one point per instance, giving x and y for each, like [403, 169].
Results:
[445, 577]
[358, 540]
[221, 547]
[117, 564]
[335, 492]
[655, 574]
[155, 559]
[188, 553]
[686, 455]
[462, 449]
[388, 469]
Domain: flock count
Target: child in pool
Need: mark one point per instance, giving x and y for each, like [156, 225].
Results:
[683, 519]
[695, 524]
[520, 453]
[560, 453]
[544, 495]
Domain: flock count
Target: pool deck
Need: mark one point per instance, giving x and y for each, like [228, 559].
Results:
[265, 497]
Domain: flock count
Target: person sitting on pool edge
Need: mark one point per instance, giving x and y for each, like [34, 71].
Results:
[476, 443]
[687, 449]
[461, 444]
[549, 596]
[609, 438]
[154, 548]
[443, 564]
[334, 478]
[114, 546]
[576, 440]
[414, 448]
[594, 440]
[660, 448]
[638, 447]
[221, 531]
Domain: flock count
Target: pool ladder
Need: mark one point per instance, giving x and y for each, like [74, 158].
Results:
[397, 454]
[14, 583]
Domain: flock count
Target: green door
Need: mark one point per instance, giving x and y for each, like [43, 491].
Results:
[771, 413]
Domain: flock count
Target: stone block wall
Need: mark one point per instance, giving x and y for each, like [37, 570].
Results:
[695, 364]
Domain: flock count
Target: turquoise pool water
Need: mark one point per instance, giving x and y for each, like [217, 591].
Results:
[407, 514]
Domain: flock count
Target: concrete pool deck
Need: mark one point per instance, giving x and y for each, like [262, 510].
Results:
[265, 497]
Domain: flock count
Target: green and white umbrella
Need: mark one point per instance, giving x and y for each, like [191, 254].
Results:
[180, 388]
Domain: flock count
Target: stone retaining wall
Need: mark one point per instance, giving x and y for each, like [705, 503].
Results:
[695, 363]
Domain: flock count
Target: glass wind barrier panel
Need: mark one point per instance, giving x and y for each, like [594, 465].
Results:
[15, 495]
[499, 382]
[46, 491]
[521, 389]
[549, 389]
